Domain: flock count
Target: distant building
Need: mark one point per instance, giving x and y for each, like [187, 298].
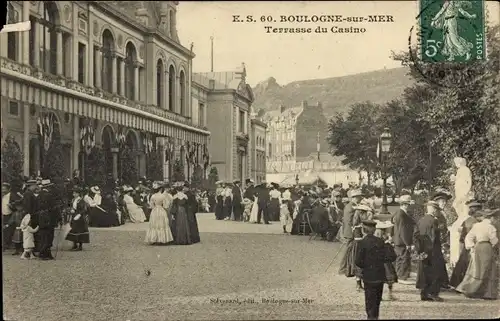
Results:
[258, 141]
[293, 134]
[229, 99]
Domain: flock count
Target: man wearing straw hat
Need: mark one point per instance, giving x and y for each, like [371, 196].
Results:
[404, 226]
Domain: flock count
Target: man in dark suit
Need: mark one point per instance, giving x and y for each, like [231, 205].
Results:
[262, 202]
[237, 198]
[250, 190]
[428, 243]
[347, 234]
[404, 226]
[371, 257]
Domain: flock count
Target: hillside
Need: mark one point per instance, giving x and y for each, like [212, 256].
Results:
[336, 94]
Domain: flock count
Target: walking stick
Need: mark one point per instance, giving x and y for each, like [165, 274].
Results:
[333, 260]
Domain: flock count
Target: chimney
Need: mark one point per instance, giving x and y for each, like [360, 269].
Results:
[211, 84]
[304, 104]
[282, 108]
[320, 105]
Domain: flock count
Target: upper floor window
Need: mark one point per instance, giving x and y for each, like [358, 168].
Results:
[171, 20]
[48, 33]
[182, 84]
[130, 74]
[242, 122]
[82, 53]
[108, 52]
[201, 114]
[159, 83]
[171, 88]
[12, 42]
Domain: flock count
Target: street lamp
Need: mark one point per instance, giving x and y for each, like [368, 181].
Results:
[385, 146]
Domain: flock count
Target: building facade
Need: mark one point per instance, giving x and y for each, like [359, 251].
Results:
[258, 142]
[293, 134]
[229, 99]
[104, 74]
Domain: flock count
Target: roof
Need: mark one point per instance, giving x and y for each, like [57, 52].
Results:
[235, 80]
[292, 112]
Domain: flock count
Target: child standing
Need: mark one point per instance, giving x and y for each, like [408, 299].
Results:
[384, 232]
[247, 204]
[15, 222]
[28, 237]
[285, 218]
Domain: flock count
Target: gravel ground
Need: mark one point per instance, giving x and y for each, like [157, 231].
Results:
[108, 281]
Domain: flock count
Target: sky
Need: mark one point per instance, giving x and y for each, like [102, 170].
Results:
[292, 57]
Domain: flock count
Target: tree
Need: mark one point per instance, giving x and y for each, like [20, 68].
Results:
[53, 165]
[356, 136]
[95, 168]
[462, 118]
[155, 166]
[178, 171]
[197, 177]
[129, 174]
[213, 177]
[12, 162]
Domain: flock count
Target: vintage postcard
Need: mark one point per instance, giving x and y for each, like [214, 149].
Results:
[250, 160]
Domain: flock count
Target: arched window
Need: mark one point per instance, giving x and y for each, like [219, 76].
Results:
[130, 65]
[171, 88]
[171, 20]
[108, 51]
[182, 84]
[159, 83]
[48, 50]
[270, 153]
[292, 148]
[12, 36]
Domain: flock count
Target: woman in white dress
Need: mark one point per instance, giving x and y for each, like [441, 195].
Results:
[135, 212]
[254, 211]
[159, 225]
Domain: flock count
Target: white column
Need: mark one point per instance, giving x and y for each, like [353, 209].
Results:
[3, 44]
[26, 35]
[205, 112]
[98, 69]
[26, 140]
[76, 141]
[136, 82]
[114, 73]
[90, 59]
[59, 54]
[122, 75]
[74, 47]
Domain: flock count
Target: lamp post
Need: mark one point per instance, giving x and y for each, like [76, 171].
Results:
[297, 179]
[385, 146]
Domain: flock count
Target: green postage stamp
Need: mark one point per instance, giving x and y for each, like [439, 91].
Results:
[452, 30]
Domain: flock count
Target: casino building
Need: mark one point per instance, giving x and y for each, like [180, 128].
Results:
[105, 74]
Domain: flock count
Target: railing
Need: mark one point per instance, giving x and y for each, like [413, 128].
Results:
[96, 92]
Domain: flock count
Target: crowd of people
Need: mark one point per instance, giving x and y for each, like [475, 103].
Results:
[403, 242]
[31, 213]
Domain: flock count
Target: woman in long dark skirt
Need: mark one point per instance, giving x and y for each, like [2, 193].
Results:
[192, 209]
[79, 232]
[180, 208]
[364, 212]
[219, 196]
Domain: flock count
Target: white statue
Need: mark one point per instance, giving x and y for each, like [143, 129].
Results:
[463, 193]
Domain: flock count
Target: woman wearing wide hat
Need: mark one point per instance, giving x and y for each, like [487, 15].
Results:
[219, 198]
[481, 278]
[159, 225]
[460, 268]
[180, 208]
[362, 212]
[79, 232]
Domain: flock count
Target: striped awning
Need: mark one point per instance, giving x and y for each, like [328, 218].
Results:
[45, 98]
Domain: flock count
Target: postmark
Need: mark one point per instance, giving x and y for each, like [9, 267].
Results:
[448, 41]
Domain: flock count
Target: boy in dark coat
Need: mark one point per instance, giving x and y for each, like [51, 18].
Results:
[371, 257]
